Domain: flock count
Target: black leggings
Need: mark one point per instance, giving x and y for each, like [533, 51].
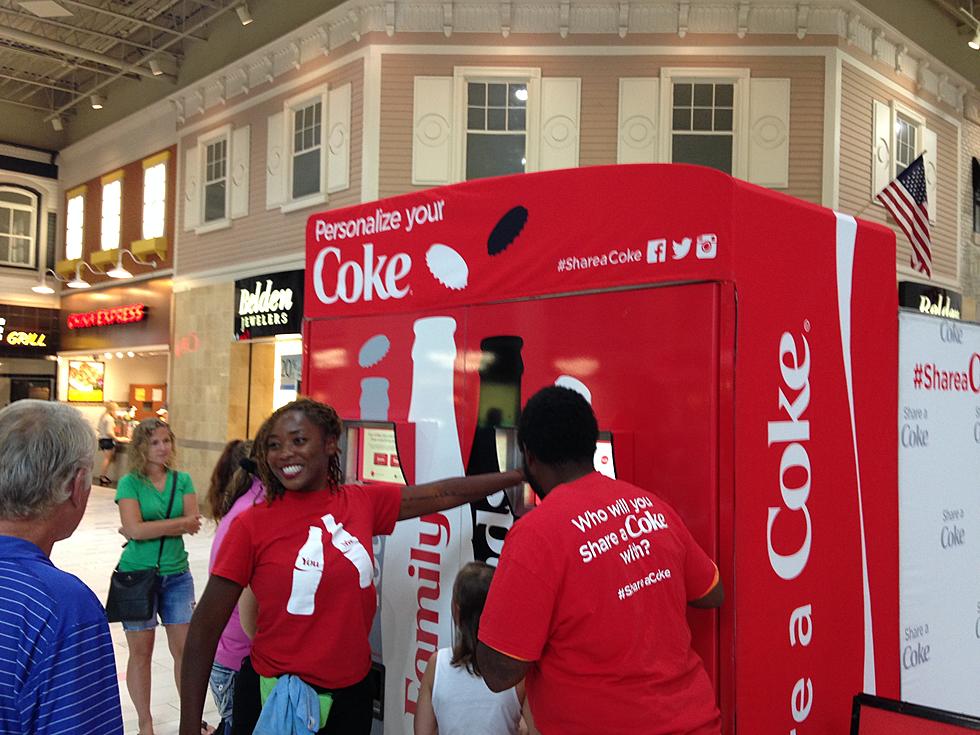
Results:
[350, 714]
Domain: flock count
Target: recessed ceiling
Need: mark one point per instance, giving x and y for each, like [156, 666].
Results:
[56, 55]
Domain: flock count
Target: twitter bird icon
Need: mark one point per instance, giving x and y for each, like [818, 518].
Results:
[682, 248]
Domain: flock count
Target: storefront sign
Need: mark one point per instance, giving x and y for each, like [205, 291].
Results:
[269, 305]
[931, 300]
[106, 317]
[28, 332]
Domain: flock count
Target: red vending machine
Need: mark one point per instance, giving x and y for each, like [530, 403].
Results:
[739, 348]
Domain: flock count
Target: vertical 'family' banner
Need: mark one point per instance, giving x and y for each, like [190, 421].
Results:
[939, 507]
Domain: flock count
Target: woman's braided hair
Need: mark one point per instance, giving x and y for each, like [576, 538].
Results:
[318, 414]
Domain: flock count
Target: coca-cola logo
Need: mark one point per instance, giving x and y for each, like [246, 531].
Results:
[350, 281]
[791, 433]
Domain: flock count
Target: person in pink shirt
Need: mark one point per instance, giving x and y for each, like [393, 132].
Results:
[234, 489]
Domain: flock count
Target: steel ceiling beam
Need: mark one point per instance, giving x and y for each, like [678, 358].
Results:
[140, 62]
[58, 60]
[78, 29]
[156, 12]
[30, 39]
[131, 19]
[38, 83]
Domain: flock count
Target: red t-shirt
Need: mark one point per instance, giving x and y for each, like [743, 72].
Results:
[592, 587]
[325, 644]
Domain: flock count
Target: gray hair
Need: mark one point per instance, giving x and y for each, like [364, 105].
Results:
[42, 445]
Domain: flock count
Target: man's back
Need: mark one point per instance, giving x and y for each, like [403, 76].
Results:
[57, 667]
[593, 586]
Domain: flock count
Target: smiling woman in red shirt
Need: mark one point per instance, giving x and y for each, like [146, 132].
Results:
[306, 555]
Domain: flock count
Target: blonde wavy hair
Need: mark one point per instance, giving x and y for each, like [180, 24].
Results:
[140, 445]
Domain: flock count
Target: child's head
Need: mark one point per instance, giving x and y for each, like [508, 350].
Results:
[469, 596]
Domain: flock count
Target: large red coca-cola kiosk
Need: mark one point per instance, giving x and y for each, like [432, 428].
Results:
[739, 348]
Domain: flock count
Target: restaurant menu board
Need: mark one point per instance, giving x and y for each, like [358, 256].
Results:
[85, 381]
[939, 511]
[379, 456]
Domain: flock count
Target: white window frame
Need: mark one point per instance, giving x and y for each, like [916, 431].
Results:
[214, 136]
[917, 120]
[151, 164]
[740, 109]
[35, 225]
[75, 246]
[463, 75]
[110, 232]
[290, 107]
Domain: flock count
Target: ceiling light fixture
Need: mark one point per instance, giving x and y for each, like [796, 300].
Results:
[42, 287]
[78, 281]
[155, 68]
[98, 101]
[57, 124]
[974, 42]
[119, 271]
[243, 15]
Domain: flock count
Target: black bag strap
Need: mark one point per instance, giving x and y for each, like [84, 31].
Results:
[173, 492]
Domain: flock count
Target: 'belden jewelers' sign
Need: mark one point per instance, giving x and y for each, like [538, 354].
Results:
[269, 305]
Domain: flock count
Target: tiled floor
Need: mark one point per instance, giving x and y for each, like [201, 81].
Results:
[91, 554]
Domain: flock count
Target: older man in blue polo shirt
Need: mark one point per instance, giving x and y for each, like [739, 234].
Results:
[57, 669]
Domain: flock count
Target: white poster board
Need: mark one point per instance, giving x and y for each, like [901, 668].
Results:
[939, 511]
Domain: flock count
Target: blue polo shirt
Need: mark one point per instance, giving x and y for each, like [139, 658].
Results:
[57, 668]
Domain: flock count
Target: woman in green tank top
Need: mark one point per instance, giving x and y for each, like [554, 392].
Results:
[157, 506]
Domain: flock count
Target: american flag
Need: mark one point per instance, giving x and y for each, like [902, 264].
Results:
[905, 199]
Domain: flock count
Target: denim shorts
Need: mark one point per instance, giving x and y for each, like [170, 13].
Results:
[175, 603]
[222, 683]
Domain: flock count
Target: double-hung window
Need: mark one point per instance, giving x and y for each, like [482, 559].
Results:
[907, 139]
[307, 150]
[74, 223]
[215, 180]
[496, 128]
[154, 196]
[18, 226]
[111, 210]
[704, 112]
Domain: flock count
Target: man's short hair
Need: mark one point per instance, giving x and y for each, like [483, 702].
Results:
[558, 426]
[42, 445]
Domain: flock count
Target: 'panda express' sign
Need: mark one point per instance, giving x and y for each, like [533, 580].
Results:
[269, 305]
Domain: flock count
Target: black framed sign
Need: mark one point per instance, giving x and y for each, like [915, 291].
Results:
[269, 305]
[930, 299]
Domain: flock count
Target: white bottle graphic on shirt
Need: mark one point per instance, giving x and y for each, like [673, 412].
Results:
[351, 548]
[307, 571]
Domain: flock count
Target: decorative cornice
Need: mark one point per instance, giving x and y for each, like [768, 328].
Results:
[633, 21]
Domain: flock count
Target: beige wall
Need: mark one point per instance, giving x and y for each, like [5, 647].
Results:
[201, 392]
[970, 255]
[600, 104]
[265, 233]
[858, 90]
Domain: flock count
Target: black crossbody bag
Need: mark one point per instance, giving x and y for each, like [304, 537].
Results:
[133, 595]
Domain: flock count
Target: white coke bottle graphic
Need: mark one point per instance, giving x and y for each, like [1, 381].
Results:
[351, 548]
[307, 571]
[432, 404]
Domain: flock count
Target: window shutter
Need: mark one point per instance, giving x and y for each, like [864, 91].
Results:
[432, 154]
[338, 139]
[881, 148]
[192, 193]
[240, 154]
[638, 100]
[275, 181]
[929, 158]
[769, 132]
[559, 123]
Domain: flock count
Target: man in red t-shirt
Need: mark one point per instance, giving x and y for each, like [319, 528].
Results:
[590, 594]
